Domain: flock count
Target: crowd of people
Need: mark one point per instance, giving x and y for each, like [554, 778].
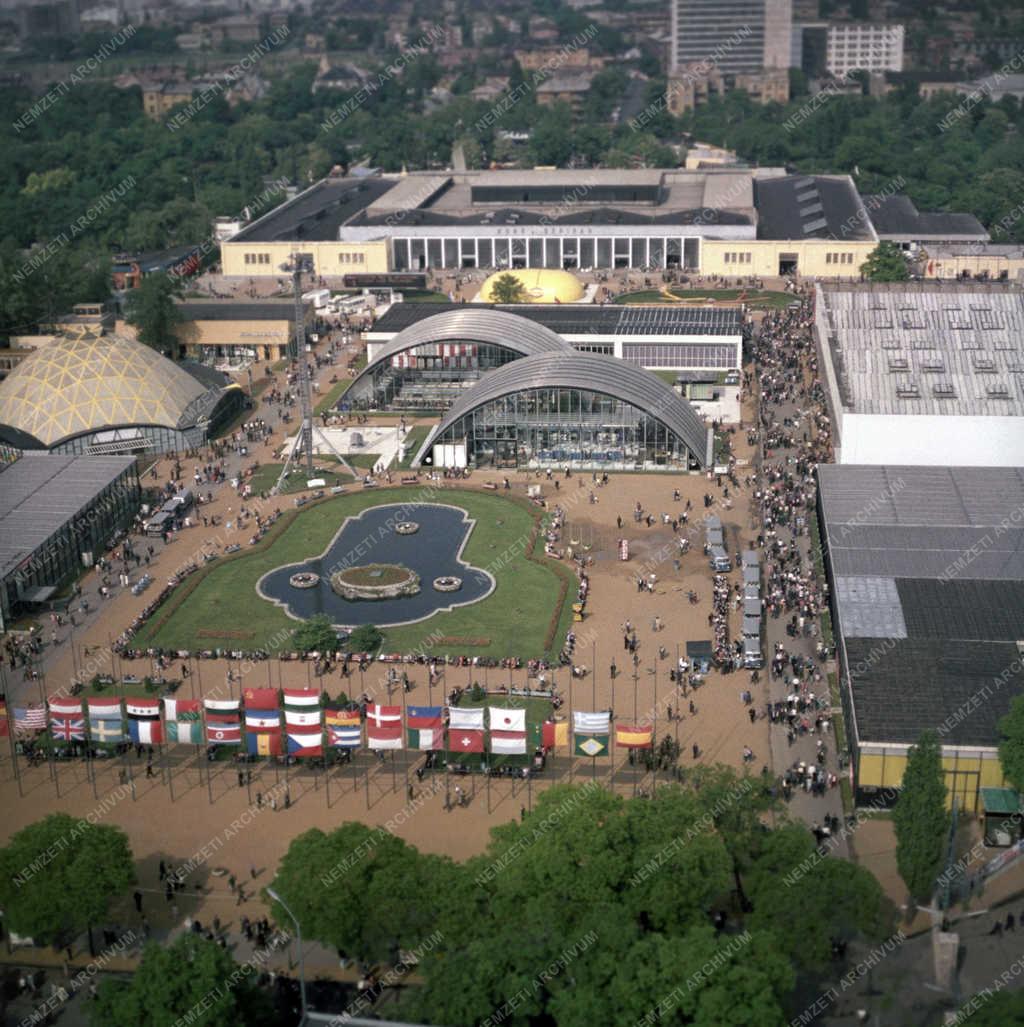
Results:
[794, 435]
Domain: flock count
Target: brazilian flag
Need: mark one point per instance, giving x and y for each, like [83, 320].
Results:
[590, 745]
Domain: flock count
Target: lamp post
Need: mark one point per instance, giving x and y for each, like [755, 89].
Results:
[298, 934]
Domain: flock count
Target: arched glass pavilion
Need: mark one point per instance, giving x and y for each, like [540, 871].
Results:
[430, 364]
[575, 410]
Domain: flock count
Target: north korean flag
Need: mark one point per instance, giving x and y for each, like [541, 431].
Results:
[223, 730]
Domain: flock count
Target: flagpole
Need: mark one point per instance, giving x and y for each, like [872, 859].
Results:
[572, 747]
[679, 715]
[164, 766]
[10, 736]
[654, 735]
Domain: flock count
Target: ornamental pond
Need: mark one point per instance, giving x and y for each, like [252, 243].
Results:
[433, 550]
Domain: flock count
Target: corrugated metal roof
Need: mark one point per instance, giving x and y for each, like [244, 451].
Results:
[883, 338]
[39, 492]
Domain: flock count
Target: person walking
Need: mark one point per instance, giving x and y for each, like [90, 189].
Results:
[137, 897]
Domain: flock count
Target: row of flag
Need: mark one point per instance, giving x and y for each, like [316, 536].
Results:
[300, 727]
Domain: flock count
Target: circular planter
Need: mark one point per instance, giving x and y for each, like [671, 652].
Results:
[375, 581]
[447, 584]
[407, 527]
[305, 579]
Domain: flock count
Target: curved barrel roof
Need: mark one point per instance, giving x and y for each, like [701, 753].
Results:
[592, 373]
[475, 324]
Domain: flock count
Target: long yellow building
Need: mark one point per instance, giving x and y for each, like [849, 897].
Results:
[730, 221]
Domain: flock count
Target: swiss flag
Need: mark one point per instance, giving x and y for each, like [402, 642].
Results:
[466, 741]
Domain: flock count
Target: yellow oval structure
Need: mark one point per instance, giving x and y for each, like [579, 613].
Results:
[540, 285]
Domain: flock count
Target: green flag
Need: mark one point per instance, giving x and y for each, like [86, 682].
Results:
[591, 745]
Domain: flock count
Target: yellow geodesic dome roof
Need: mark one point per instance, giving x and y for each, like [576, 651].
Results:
[79, 385]
[540, 285]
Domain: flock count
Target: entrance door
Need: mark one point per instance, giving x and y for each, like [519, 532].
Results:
[787, 263]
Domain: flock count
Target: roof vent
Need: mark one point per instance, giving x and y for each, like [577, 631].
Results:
[898, 364]
[944, 390]
[907, 390]
[997, 390]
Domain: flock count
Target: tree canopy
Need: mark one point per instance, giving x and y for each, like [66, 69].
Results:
[920, 818]
[611, 898]
[507, 288]
[191, 977]
[885, 263]
[59, 875]
[316, 635]
[153, 312]
[1011, 743]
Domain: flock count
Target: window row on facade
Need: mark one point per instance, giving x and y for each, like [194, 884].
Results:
[562, 252]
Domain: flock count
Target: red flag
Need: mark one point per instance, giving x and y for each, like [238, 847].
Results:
[260, 698]
[383, 726]
[223, 729]
[465, 741]
[5, 725]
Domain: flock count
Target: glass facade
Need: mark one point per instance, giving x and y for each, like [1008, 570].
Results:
[565, 427]
[563, 252]
[428, 377]
[59, 558]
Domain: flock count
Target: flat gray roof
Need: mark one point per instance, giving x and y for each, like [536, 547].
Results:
[39, 492]
[927, 347]
[915, 522]
[927, 568]
[608, 319]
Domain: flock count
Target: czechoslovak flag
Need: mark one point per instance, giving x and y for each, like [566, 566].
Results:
[508, 731]
[383, 726]
[305, 741]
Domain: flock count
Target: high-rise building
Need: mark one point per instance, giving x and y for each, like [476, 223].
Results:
[733, 37]
[863, 46]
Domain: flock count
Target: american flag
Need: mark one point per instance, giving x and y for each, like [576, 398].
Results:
[29, 718]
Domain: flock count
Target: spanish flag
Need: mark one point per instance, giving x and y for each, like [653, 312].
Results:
[629, 737]
[555, 734]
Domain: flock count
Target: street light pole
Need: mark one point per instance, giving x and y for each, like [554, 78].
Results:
[298, 935]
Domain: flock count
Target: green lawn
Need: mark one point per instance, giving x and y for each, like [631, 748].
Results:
[266, 475]
[424, 296]
[516, 619]
[330, 400]
[759, 298]
[413, 441]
